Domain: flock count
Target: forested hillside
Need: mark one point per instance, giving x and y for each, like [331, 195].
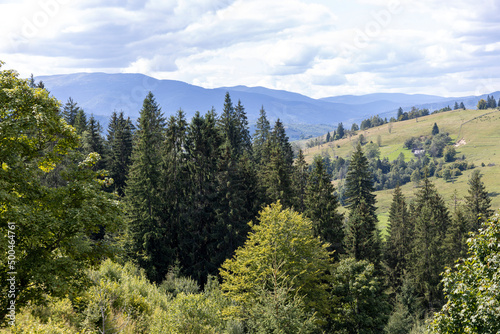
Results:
[170, 225]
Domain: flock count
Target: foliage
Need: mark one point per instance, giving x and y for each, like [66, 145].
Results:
[471, 289]
[282, 239]
[357, 298]
[56, 227]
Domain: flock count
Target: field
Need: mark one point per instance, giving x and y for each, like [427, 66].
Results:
[477, 137]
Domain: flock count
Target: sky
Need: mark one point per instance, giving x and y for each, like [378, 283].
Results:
[318, 48]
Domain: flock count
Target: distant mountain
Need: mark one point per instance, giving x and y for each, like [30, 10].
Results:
[100, 94]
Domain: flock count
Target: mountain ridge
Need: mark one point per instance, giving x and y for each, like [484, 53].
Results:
[101, 93]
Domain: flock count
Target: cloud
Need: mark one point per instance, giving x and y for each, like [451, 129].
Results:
[318, 48]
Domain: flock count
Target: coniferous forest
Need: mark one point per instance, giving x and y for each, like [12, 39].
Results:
[175, 225]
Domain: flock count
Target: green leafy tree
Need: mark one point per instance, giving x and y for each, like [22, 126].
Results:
[322, 204]
[282, 240]
[50, 226]
[472, 296]
[449, 153]
[147, 232]
[482, 104]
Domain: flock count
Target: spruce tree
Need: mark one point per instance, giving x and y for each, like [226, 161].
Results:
[435, 129]
[147, 233]
[428, 256]
[478, 203]
[94, 142]
[120, 137]
[398, 245]
[70, 110]
[198, 233]
[299, 181]
[321, 206]
[462, 105]
[80, 123]
[362, 239]
[262, 134]
[276, 173]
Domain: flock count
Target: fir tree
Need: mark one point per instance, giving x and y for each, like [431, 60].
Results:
[299, 180]
[435, 129]
[198, 233]
[80, 123]
[321, 206]
[146, 229]
[340, 131]
[70, 110]
[462, 105]
[94, 142]
[478, 203]
[398, 246]
[428, 257]
[120, 137]
[262, 134]
[362, 239]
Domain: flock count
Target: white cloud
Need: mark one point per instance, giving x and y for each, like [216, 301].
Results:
[318, 48]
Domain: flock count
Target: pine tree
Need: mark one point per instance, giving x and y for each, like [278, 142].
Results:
[146, 226]
[478, 203]
[362, 239]
[321, 206]
[428, 257]
[398, 245]
[70, 110]
[462, 105]
[456, 106]
[328, 137]
[245, 140]
[456, 237]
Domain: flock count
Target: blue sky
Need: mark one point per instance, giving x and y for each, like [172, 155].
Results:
[318, 47]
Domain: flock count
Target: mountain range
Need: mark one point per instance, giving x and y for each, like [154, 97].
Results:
[100, 94]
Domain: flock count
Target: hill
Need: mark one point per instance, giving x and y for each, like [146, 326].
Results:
[476, 134]
[100, 94]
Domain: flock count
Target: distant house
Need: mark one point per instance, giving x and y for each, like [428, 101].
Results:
[418, 152]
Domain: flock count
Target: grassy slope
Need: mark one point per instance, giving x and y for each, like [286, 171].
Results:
[479, 128]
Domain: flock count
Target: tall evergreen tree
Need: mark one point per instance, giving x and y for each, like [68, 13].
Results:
[262, 133]
[94, 142]
[340, 131]
[80, 123]
[146, 227]
[198, 233]
[70, 110]
[428, 257]
[245, 140]
[458, 232]
[435, 129]
[362, 239]
[462, 105]
[398, 246]
[299, 181]
[321, 206]
[478, 203]
[276, 173]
